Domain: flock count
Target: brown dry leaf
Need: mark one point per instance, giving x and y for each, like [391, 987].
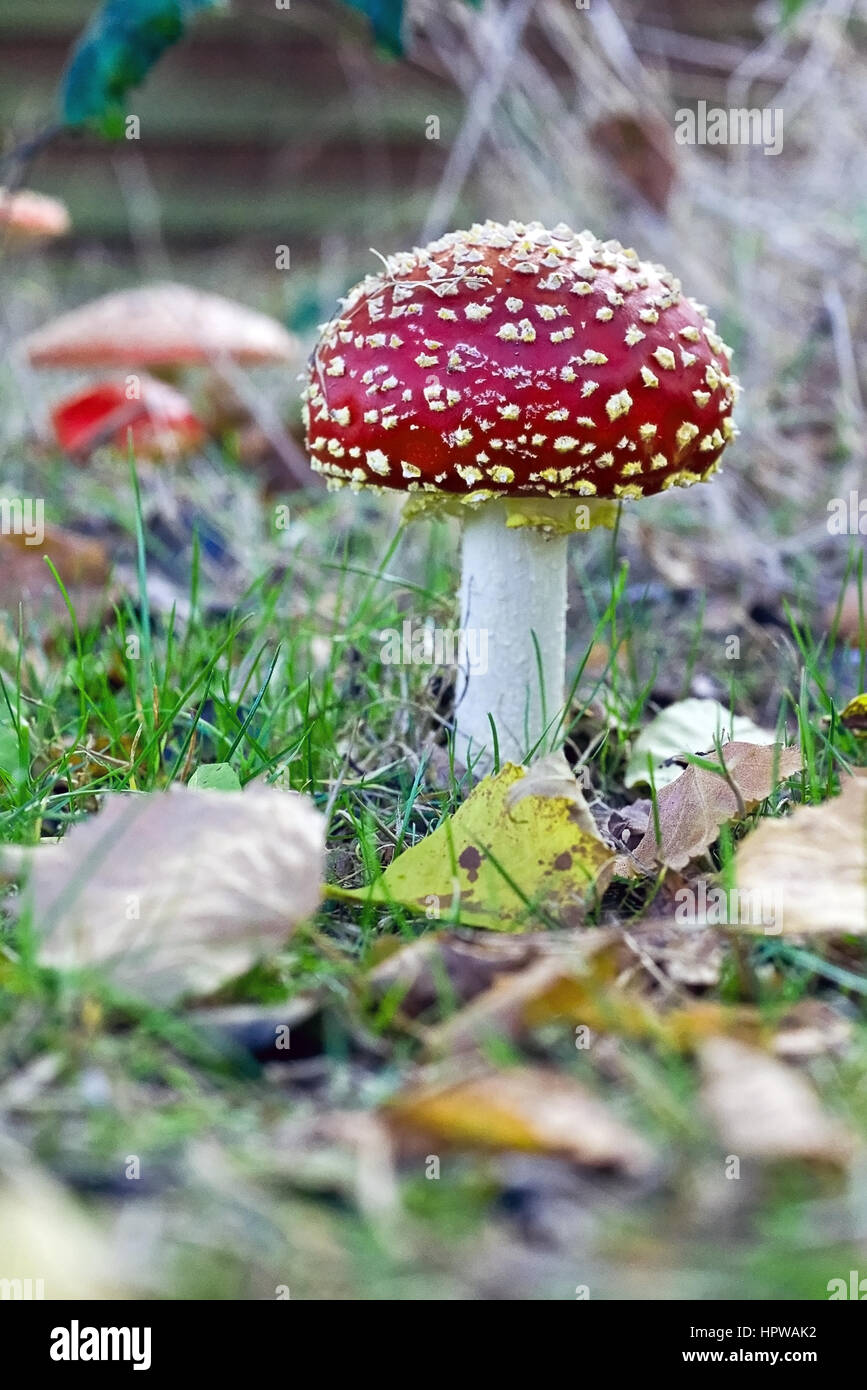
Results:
[459, 965]
[560, 980]
[690, 956]
[81, 561]
[624, 827]
[811, 1028]
[531, 1109]
[692, 809]
[764, 1109]
[641, 147]
[695, 726]
[77, 559]
[812, 865]
[177, 892]
[580, 989]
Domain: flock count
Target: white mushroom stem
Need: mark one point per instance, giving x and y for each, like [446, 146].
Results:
[513, 639]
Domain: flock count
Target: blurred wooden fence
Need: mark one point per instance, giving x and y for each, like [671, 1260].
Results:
[266, 123]
[283, 125]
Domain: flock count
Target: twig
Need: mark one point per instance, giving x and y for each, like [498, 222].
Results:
[505, 32]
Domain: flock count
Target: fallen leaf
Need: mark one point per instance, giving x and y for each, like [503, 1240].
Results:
[551, 777]
[687, 726]
[177, 892]
[579, 985]
[692, 809]
[854, 716]
[764, 1109]
[531, 1109]
[522, 844]
[624, 827]
[441, 963]
[217, 777]
[50, 1239]
[811, 1028]
[690, 956]
[550, 986]
[81, 561]
[812, 864]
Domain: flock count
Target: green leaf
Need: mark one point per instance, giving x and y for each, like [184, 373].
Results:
[386, 20]
[115, 53]
[215, 777]
[790, 9]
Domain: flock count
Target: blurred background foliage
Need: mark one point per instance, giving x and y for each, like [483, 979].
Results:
[270, 126]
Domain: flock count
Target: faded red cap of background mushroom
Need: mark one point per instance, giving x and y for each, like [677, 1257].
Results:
[29, 216]
[509, 359]
[161, 419]
[159, 325]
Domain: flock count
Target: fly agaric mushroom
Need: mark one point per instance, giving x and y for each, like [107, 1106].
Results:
[29, 216]
[164, 326]
[526, 378]
[161, 419]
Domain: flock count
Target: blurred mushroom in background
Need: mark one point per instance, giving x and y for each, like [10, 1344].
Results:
[27, 217]
[153, 328]
[161, 420]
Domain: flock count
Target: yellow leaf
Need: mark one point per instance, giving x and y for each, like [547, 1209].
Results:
[528, 1108]
[854, 716]
[522, 845]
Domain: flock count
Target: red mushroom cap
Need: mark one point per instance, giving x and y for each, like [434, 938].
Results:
[161, 419]
[513, 360]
